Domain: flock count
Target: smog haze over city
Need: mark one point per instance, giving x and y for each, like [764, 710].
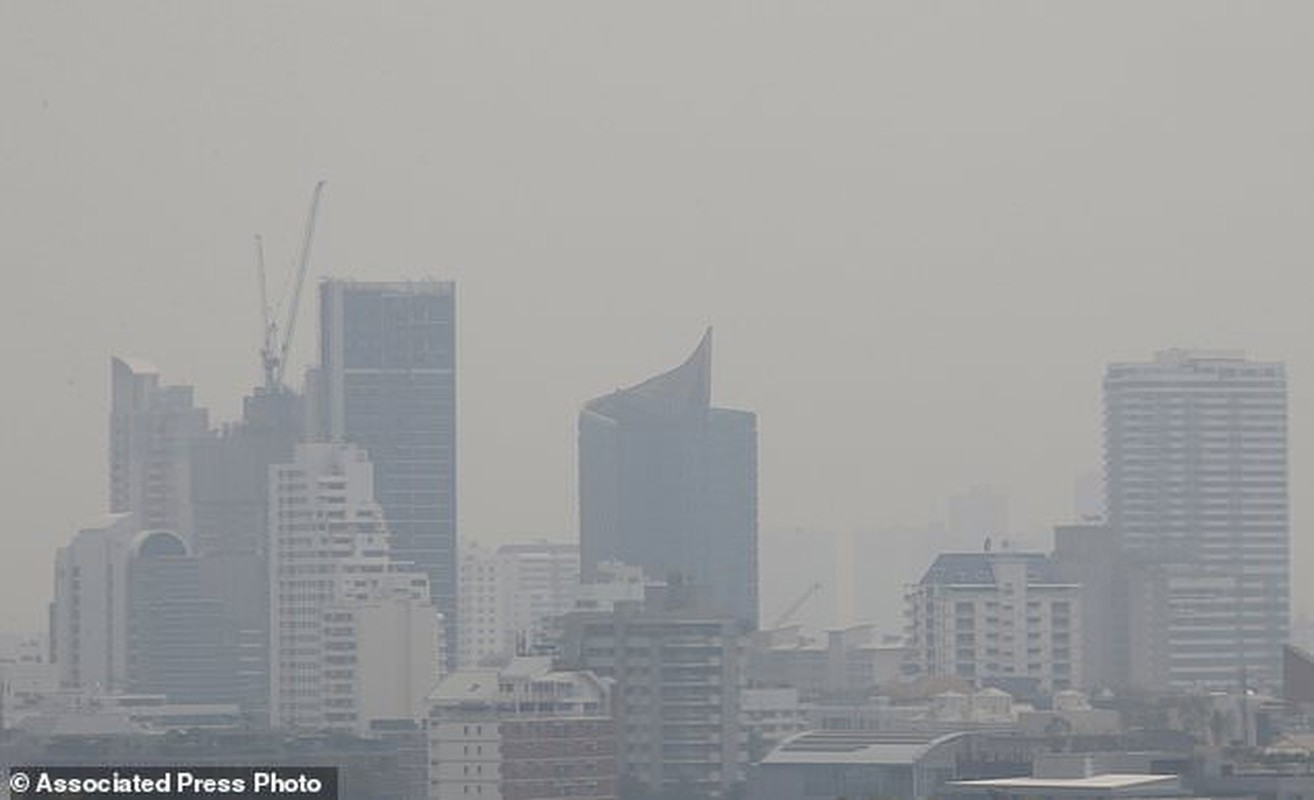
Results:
[920, 232]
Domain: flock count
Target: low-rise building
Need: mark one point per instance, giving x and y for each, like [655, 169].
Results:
[769, 716]
[996, 618]
[846, 662]
[524, 732]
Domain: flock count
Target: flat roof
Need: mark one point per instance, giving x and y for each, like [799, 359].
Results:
[1110, 781]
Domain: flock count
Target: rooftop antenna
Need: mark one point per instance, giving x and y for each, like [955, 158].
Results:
[273, 352]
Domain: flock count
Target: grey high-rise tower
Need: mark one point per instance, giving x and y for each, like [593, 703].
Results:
[152, 430]
[387, 382]
[1196, 460]
[669, 484]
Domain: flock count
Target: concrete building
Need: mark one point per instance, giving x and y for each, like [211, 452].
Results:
[612, 583]
[1089, 555]
[770, 716]
[25, 668]
[996, 618]
[844, 663]
[481, 631]
[539, 580]
[522, 732]
[669, 484]
[678, 675]
[230, 511]
[1196, 465]
[89, 615]
[152, 429]
[354, 637]
[508, 596]
[386, 382]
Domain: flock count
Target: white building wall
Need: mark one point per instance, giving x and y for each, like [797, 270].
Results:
[353, 633]
[90, 606]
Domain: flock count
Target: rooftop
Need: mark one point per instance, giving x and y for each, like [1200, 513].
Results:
[857, 747]
[670, 394]
[979, 568]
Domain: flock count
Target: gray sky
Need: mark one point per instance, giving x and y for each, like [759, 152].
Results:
[920, 229]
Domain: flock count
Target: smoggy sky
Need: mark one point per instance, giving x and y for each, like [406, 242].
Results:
[920, 229]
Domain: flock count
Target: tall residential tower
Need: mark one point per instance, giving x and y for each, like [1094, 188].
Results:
[1196, 461]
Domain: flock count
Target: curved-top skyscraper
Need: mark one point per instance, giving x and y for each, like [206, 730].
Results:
[669, 483]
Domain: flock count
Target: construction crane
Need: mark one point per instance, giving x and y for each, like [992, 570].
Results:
[796, 605]
[273, 351]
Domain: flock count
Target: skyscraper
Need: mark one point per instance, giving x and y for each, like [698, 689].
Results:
[1196, 465]
[230, 518]
[669, 484]
[387, 382]
[152, 429]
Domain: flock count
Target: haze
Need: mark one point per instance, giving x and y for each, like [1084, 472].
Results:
[920, 229]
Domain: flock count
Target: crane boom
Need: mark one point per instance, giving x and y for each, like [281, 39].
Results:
[266, 327]
[302, 264]
[797, 604]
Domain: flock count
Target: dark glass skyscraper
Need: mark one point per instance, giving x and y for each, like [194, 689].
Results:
[387, 382]
[669, 483]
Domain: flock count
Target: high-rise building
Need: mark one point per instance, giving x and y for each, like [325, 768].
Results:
[678, 671]
[354, 637]
[508, 596]
[152, 429]
[89, 615]
[996, 618]
[1196, 473]
[387, 382]
[669, 484]
[229, 507]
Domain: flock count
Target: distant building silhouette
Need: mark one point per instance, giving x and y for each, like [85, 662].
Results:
[1196, 459]
[387, 381]
[669, 484]
[179, 644]
[152, 429]
[1088, 554]
[229, 504]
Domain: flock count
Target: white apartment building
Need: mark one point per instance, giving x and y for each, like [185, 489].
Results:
[1002, 617]
[508, 595]
[354, 636]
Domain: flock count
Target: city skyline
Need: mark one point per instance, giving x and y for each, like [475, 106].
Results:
[889, 214]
